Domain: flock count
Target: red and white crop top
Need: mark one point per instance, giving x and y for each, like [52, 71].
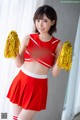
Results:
[43, 52]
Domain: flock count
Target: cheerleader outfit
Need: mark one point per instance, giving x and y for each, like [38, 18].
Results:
[30, 90]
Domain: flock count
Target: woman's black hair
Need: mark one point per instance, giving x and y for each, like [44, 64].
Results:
[50, 13]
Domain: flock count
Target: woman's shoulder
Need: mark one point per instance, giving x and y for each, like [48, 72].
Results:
[25, 40]
[58, 42]
[59, 45]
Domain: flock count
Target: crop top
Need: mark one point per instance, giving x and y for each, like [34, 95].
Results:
[43, 52]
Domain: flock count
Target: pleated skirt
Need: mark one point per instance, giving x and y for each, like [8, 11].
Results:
[29, 92]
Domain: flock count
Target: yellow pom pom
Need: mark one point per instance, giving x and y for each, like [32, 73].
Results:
[12, 45]
[65, 58]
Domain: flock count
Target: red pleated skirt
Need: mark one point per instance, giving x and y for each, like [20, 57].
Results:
[29, 92]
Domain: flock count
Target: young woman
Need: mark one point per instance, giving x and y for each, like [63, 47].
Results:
[38, 53]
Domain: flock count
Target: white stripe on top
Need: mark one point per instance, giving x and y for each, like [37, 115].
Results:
[34, 41]
[27, 52]
[27, 58]
[54, 41]
[53, 54]
[44, 63]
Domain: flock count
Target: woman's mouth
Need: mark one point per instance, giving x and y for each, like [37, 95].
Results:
[41, 29]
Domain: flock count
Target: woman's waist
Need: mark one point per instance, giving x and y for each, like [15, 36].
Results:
[36, 67]
[33, 74]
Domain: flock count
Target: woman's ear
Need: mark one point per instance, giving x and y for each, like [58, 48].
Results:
[53, 22]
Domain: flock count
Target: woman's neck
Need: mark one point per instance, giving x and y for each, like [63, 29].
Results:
[45, 37]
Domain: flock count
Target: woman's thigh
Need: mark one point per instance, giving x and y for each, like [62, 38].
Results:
[27, 114]
[16, 109]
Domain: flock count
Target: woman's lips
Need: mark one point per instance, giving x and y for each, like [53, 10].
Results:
[41, 29]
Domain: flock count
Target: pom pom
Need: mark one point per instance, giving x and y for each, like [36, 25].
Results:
[12, 45]
[65, 57]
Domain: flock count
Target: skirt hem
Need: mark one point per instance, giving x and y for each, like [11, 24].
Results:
[28, 107]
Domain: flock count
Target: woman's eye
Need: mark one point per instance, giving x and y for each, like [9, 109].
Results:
[45, 20]
[42, 20]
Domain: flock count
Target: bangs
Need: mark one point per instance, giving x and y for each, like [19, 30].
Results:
[39, 15]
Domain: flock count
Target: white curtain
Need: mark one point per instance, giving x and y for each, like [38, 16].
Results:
[73, 93]
[14, 15]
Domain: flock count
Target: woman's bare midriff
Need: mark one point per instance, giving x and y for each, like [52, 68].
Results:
[36, 67]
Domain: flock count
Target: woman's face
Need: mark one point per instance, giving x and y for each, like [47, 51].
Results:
[43, 25]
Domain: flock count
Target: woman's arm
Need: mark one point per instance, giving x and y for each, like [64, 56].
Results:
[19, 58]
[55, 68]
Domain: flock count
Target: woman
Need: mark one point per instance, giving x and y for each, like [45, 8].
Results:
[38, 53]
